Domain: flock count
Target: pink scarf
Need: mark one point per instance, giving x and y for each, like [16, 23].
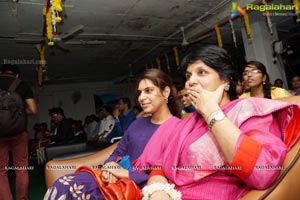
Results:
[178, 144]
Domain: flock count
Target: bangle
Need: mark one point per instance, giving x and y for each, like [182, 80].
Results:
[168, 188]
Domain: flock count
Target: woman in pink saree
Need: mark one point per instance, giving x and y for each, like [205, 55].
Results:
[227, 147]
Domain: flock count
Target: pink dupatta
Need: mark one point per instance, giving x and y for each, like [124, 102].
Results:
[188, 152]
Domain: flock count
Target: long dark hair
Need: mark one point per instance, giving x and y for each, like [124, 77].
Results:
[162, 80]
[217, 59]
[266, 85]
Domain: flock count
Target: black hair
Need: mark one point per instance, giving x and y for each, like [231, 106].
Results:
[10, 69]
[126, 100]
[217, 59]
[162, 80]
[266, 85]
[56, 110]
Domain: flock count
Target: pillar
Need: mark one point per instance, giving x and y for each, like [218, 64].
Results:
[261, 47]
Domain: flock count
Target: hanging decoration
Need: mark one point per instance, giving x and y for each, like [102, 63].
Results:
[233, 33]
[167, 61]
[219, 37]
[269, 22]
[158, 62]
[146, 66]
[175, 49]
[41, 68]
[52, 17]
[248, 27]
[297, 9]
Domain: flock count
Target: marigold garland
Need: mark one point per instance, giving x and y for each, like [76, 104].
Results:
[175, 49]
[297, 9]
[219, 37]
[233, 33]
[52, 17]
[158, 62]
[248, 27]
[41, 69]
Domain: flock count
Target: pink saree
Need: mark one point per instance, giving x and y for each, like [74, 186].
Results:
[191, 159]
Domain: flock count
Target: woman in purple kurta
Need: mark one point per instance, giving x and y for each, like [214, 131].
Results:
[157, 97]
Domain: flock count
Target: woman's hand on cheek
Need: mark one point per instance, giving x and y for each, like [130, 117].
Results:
[205, 101]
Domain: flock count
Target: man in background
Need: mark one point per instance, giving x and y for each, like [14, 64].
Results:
[17, 144]
[63, 133]
[186, 101]
[123, 116]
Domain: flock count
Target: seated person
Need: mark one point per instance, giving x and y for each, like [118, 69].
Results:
[295, 85]
[186, 101]
[227, 147]
[91, 126]
[257, 79]
[106, 124]
[41, 138]
[63, 132]
[123, 116]
[154, 91]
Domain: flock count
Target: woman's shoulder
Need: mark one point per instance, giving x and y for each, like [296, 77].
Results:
[279, 93]
[244, 95]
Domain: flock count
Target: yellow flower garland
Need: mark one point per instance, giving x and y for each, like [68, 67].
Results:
[41, 69]
[158, 63]
[176, 56]
[219, 37]
[297, 9]
[233, 32]
[52, 17]
[248, 27]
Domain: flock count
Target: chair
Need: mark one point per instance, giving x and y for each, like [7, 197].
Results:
[287, 185]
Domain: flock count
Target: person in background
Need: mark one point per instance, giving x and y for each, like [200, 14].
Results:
[295, 85]
[221, 150]
[278, 83]
[17, 145]
[186, 101]
[106, 124]
[240, 87]
[123, 116]
[157, 97]
[257, 79]
[91, 127]
[63, 133]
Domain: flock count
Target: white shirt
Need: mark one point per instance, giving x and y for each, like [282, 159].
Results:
[107, 124]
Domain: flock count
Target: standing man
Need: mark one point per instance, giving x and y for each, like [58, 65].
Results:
[17, 144]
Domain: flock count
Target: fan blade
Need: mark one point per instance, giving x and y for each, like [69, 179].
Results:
[71, 31]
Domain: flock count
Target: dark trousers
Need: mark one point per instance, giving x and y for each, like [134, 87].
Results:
[18, 147]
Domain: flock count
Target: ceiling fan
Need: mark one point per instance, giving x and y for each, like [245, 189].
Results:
[59, 39]
[186, 43]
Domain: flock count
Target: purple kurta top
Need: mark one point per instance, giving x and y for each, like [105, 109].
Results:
[133, 143]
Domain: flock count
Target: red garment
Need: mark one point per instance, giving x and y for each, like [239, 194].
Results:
[124, 188]
[191, 158]
[19, 150]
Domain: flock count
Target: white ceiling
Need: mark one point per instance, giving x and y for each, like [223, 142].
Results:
[116, 34]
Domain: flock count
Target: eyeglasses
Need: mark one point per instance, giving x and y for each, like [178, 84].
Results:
[251, 72]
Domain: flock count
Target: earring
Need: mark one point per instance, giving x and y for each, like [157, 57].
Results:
[264, 82]
[166, 100]
[227, 88]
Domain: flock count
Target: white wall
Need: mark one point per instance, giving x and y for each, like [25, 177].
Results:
[61, 95]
